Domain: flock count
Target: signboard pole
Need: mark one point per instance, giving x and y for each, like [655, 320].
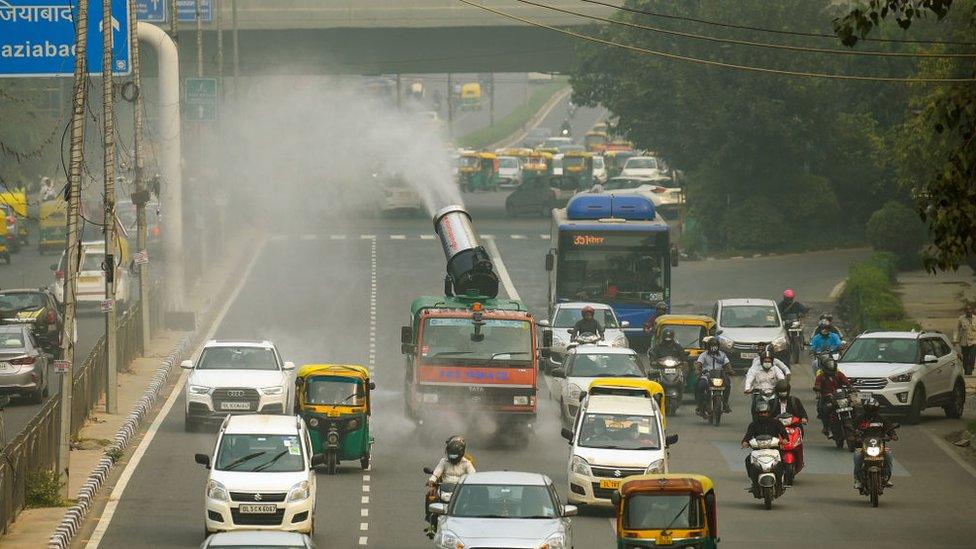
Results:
[140, 185]
[108, 135]
[174, 23]
[78, 116]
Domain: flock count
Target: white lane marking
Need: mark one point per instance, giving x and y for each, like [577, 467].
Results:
[398, 237]
[364, 512]
[371, 365]
[427, 237]
[544, 236]
[487, 236]
[365, 499]
[364, 526]
[367, 236]
[502, 271]
[518, 237]
[113, 499]
[951, 452]
[362, 540]
[337, 237]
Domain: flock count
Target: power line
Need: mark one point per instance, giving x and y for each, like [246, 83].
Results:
[774, 31]
[713, 63]
[736, 42]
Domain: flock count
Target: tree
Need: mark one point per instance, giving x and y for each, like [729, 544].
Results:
[940, 168]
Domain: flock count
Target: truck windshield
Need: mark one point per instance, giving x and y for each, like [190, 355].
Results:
[611, 269]
[454, 340]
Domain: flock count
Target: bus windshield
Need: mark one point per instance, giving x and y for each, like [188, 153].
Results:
[611, 268]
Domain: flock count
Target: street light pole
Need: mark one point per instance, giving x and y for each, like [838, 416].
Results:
[108, 147]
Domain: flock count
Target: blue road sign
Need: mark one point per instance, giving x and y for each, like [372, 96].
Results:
[152, 11]
[37, 38]
[187, 10]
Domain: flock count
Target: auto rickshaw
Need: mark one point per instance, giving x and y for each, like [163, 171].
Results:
[478, 171]
[689, 330]
[672, 510]
[334, 401]
[595, 141]
[17, 200]
[578, 169]
[53, 225]
[615, 160]
[470, 96]
[4, 252]
[636, 387]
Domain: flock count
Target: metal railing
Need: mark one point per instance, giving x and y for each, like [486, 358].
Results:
[36, 446]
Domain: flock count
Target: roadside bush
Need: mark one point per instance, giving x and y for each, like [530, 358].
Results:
[897, 229]
[43, 488]
[755, 224]
[868, 301]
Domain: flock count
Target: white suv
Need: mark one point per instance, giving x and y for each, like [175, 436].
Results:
[237, 377]
[262, 475]
[906, 372]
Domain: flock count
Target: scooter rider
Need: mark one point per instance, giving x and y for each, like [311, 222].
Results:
[764, 424]
[828, 380]
[449, 470]
[713, 359]
[762, 377]
[587, 324]
[828, 319]
[767, 355]
[789, 306]
[823, 341]
[669, 347]
[870, 414]
[785, 403]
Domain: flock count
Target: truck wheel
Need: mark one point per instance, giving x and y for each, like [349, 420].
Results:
[364, 462]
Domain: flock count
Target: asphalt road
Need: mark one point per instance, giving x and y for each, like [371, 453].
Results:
[310, 292]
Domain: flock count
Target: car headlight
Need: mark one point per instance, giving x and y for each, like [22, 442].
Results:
[298, 492]
[447, 539]
[555, 541]
[574, 391]
[655, 468]
[579, 466]
[619, 341]
[780, 343]
[902, 378]
[199, 390]
[276, 390]
[216, 490]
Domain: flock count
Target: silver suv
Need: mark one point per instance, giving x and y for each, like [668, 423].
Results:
[747, 325]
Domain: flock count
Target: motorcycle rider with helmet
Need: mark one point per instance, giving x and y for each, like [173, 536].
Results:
[669, 347]
[713, 359]
[789, 306]
[587, 324]
[764, 424]
[823, 341]
[828, 319]
[767, 356]
[870, 413]
[828, 380]
[449, 470]
[763, 375]
[785, 403]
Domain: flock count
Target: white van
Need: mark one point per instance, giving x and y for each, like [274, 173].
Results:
[91, 277]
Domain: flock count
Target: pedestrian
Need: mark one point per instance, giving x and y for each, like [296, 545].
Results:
[966, 338]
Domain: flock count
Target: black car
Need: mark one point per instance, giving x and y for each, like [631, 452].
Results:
[534, 196]
[38, 309]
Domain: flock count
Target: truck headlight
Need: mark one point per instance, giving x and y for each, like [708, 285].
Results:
[216, 491]
[298, 492]
[268, 391]
[655, 468]
[779, 344]
[579, 466]
[901, 378]
[555, 541]
[199, 390]
[447, 539]
[521, 400]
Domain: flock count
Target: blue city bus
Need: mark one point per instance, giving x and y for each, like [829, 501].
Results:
[612, 249]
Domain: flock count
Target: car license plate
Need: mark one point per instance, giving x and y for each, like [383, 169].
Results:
[258, 509]
[5, 367]
[609, 484]
[235, 406]
[89, 279]
[750, 355]
[670, 370]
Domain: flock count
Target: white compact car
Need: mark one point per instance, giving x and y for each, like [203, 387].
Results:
[90, 290]
[748, 325]
[907, 372]
[237, 377]
[262, 475]
[398, 196]
[642, 166]
[583, 364]
[509, 172]
[614, 437]
[564, 318]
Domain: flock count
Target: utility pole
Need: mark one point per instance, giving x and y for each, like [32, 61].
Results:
[199, 15]
[71, 265]
[491, 100]
[399, 93]
[140, 183]
[237, 57]
[450, 103]
[108, 147]
[174, 22]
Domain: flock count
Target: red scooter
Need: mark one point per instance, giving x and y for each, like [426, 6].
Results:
[791, 448]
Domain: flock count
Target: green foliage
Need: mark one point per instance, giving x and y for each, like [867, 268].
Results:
[514, 120]
[43, 488]
[868, 300]
[897, 229]
[115, 453]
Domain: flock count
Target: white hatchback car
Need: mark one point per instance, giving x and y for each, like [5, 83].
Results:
[237, 377]
[906, 372]
[262, 475]
[585, 363]
[614, 437]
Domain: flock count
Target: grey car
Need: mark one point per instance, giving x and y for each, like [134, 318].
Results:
[25, 370]
[259, 538]
[504, 509]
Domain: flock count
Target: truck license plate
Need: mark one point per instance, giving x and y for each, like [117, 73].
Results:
[609, 484]
[258, 509]
[235, 406]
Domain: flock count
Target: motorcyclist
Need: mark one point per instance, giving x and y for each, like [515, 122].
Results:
[587, 324]
[713, 359]
[762, 376]
[668, 346]
[48, 192]
[449, 470]
[789, 306]
[764, 424]
[828, 318]
[870, 423]
[828, 380]
[768, 356]
[824, 341]
[785, 403]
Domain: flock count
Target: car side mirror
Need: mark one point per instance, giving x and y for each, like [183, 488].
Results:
[930, 359]
[289, 365]
[550, 261]
[567, 434]
[54, 266]
[317, 460]
[719, 332]
[407, 348]
[544, 353]
[406, 334]
[544, 323]
[570, 510]
[202, 459]
[671, 439]
[437, 508]
[625, 324]
[582, 395]
[557, 372]
[186, 364]
[615, 497]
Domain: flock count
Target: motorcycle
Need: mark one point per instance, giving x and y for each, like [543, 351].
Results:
[791, 449]
[760, 395]
[840, 417]
[584, 338]
[669, 372]
[442, 493]
[795, 330]
[715, 399]
[873, 475]
[765, 456]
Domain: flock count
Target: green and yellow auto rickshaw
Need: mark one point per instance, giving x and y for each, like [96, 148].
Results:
[334, 401]
[4, 252]
[478, 171]
[596, 141]
[689, 331]
[52, 223]
[470, 99]
[17, 200]
[672, 510]
[578, 169]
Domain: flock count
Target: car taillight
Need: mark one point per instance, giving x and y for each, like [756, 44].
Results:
[11, 220]
[23, 361]
[51, 317]
[658, 189]
[59, 275]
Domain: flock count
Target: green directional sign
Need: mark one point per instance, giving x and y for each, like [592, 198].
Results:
[200, 104]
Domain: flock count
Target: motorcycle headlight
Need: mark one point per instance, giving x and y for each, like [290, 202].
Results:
[717, 382]
[298, 492]
[901, 378]
[574, 391]
[656, 468]
[670, 363]
[780, 343]
[199, 390]
[447, 539]
[216, 490]
[268, 391]
[873, 451]
[555, 541]
[579, 466]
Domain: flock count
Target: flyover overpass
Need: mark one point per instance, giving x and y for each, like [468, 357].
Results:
[388, 36]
